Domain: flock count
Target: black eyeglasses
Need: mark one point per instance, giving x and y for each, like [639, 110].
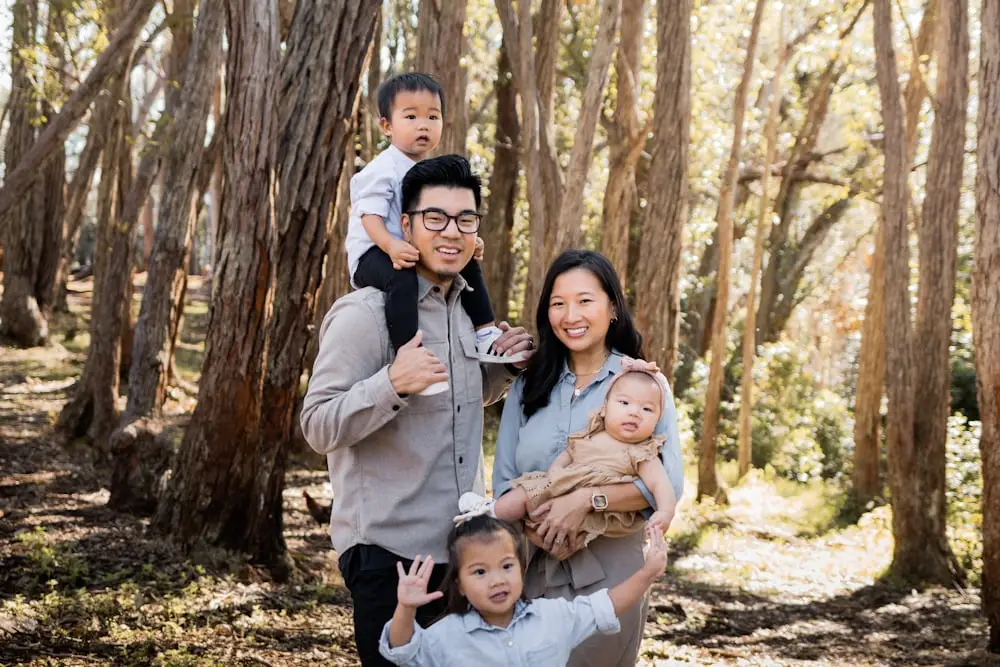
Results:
[437, 220]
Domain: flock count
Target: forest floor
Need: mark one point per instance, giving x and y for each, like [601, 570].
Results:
[772, 579]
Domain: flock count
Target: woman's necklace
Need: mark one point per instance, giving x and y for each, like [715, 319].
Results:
[577, 390]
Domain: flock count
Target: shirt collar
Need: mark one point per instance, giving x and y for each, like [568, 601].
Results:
[471, 620]
[612, 365]
[424, 286]
[399, 158]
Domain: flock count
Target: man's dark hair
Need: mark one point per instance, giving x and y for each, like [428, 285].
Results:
[451, 171]
[411, 82]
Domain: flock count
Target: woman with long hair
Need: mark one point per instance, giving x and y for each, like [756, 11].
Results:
[584, 332]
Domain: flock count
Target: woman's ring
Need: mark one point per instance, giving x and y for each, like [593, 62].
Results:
[558, 540]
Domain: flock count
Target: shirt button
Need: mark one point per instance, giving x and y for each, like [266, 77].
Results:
[510, 643]
[460, 459]
[458, 408]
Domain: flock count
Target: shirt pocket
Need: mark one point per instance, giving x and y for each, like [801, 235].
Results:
[545, 656]
[472, 370]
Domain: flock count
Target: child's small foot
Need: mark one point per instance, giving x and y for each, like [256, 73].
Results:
[434, 389]
[472, 504]
[485, 338]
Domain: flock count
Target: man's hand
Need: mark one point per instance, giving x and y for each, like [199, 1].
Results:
[402, 254]
[513, 340]
[412, 589]
[415, 368]
[480, 250]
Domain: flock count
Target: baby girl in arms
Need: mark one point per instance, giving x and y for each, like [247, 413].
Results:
[617, 446]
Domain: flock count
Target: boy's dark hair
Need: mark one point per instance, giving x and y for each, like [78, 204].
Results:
[411, 82]
[483, 528]
[452, 171]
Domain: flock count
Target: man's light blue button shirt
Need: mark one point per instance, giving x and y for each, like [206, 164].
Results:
[542, 633]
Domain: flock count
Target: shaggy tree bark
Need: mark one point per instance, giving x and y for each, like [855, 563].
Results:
[213, 491]
[986, 306]
[763, 217]
[440, 48]
[498, 269]
[658, 303]
[568, 232]
[326, 51]
[92, 409]
[866, 478]
[25, 304]
[166, 276]
[932, 559]
[54, 135]
[626, 141]
[172, 242]
[708, 476]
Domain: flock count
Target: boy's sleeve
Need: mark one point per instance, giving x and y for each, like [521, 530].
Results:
[418, 652]
[372, 190]
[349, 395]
[581, 617]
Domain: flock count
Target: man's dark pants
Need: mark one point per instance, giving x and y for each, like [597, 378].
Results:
[370, 574]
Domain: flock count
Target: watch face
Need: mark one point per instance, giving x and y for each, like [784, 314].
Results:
[600, 502]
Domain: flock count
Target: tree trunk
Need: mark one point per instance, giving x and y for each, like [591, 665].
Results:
[763, 217]
[29, 167]
[568, 232]
[543, 177]
[938, 233]
[172, 241]
[626, 140]
[658, 303]
[708, 476]
[440, 49]
[92, 409]
[986, 306]
[213, 494]
[326, 51]
[23, 311]
[866, 479]
[498, 268]
[899, 356]
[367, 121]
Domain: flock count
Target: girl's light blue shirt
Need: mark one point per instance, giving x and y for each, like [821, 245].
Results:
[542, 633]
[526, 445]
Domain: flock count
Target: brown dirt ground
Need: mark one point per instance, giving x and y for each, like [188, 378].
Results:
[80, 584]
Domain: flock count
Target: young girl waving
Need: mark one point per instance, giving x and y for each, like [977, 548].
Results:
[488, 621]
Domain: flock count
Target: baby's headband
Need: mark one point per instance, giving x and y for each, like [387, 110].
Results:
[630, 365]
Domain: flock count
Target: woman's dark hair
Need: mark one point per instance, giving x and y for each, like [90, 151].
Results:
[477, 528]
[450, 171]
[411, 82]
[547, 363]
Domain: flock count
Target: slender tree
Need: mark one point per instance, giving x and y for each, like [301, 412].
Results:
[764, 213]
[212, 495]
[626, 141]
[932, 558]
[986, 306]
[498, 269]
[658, 303]
[708, 476]
[440, 49]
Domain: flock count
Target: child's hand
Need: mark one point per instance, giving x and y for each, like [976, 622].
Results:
[660, 521]
[412, 589]
[478, 253]
[656, 552]
[402, 254]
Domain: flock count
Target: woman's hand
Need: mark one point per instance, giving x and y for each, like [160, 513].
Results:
[561, 518]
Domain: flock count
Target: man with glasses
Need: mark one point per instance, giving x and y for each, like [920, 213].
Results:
[399, 460]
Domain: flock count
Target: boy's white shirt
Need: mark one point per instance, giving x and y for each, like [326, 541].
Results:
[376, 190]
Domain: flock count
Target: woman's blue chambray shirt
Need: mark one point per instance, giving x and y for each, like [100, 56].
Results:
[542, 633]
[527, 445]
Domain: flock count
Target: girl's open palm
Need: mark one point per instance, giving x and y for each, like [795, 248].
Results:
[412, 590]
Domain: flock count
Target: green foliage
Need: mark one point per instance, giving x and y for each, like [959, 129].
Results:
[964, 483]
[800, 430]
